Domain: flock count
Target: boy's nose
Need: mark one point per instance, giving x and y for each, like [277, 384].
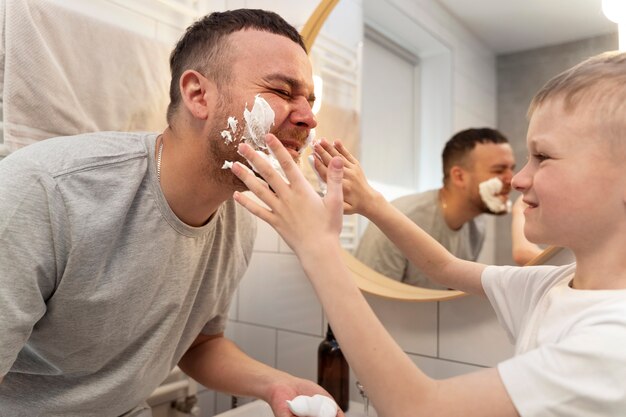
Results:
[522, 180]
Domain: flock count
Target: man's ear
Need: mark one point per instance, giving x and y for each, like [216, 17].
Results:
[458, 176]
[197, 93]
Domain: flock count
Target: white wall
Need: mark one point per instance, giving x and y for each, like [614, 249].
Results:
[275, 316]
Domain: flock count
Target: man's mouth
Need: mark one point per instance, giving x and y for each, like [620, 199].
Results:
[503, 196]
[294, 147]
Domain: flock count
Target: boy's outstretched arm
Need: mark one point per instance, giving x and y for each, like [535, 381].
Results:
[419, 247]
[395, 385]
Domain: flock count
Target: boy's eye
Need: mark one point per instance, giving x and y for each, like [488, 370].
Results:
[541, 157]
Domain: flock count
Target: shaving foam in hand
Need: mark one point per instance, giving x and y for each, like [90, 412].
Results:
[315, 406]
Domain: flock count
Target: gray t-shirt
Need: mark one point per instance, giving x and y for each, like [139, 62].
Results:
[102, 287]
[423, 209]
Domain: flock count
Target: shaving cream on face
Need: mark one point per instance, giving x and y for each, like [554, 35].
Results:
[259, 120]
[488, 191]
[228, 137]
[273, 162]
[315, 406]
[232, 125]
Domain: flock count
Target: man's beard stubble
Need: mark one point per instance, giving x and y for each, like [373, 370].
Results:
[219, 151]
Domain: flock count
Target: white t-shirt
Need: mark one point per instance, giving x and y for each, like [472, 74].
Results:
[570, 344]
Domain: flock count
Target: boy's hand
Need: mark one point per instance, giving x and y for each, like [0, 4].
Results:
[357, 193]
[301, 217]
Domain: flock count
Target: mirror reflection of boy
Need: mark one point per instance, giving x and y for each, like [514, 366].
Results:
[473, 160]
[568, 322]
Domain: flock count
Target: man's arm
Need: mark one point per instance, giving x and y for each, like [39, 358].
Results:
[217, 363]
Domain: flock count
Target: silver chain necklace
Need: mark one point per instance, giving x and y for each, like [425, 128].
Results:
[159, 160]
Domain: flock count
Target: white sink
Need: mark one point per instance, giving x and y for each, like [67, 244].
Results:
[260, 408]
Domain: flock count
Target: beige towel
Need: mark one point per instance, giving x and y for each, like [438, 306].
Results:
[67, 73]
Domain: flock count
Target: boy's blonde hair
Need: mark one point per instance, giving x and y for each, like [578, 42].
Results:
[599, 77]
[599, 82]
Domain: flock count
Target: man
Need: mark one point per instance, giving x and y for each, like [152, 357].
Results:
[121, 251]
[450, 214]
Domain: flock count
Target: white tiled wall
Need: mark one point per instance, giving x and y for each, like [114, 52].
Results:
[275, 316]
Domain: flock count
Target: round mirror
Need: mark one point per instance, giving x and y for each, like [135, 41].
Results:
[336, 63]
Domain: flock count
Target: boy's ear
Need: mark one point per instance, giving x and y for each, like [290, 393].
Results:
[197, 93]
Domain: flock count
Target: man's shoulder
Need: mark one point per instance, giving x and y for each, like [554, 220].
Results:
[417, 202]
[66, 154]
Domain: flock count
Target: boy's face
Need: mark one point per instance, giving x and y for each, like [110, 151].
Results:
[572, 184]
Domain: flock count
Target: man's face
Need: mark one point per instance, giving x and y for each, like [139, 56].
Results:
[278, 70]
[486, 161]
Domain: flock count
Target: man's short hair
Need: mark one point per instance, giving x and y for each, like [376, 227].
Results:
[461, 144]
[204, 45]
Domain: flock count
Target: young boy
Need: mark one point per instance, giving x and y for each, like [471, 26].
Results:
[569, 322]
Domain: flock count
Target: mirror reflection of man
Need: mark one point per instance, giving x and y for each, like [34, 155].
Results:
[478, 165]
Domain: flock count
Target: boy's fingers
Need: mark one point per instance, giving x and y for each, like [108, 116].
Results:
[263, 167]
[335, 172]
[323, 151]
[344, 152]
[252, 182]
[283, 157]
[334, 182]
[321, 169]
[254, 208]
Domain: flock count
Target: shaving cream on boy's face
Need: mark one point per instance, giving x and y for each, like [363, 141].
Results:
[490, 195]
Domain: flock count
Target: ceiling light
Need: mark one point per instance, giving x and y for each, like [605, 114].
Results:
[615, 11]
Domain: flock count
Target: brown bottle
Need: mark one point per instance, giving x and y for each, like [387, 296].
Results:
[333, 373]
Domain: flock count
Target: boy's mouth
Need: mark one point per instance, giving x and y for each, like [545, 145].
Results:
[530, 204]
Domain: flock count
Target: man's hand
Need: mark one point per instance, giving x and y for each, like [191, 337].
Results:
[283, 392]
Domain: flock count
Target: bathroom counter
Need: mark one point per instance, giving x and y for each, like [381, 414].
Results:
[260, 408]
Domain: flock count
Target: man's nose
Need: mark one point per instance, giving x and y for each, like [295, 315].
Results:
[507, 176]
[302, 114]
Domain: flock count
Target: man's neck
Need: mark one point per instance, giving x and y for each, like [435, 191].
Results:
[455, 209]
[185, 181]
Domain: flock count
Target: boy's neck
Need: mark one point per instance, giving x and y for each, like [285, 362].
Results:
[600, 269]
